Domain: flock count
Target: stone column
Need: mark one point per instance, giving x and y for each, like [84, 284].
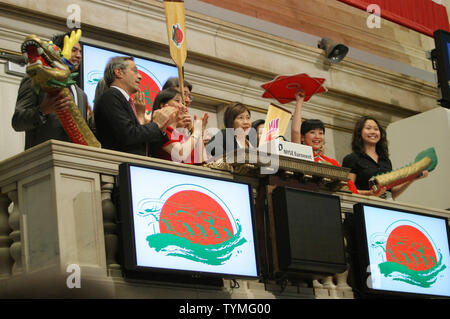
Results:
[109, 224]
[15, 235]
[341, 280]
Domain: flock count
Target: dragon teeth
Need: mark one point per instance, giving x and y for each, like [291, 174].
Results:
[40, 51]
[25, 56]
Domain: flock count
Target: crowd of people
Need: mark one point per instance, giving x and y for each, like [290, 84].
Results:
[121, 123]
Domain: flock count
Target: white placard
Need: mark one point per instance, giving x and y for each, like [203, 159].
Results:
[289, 149]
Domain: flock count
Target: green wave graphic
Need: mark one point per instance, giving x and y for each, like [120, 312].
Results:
[218, 254]
[424, 278]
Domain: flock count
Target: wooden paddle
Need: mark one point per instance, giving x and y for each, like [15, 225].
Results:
[176, 31]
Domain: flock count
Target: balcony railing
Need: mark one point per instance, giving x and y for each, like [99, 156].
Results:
[58, 223]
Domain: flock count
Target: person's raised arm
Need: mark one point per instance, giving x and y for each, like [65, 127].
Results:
[297, 118]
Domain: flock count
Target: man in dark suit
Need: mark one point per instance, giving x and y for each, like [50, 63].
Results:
[36, 113]
[120, 126]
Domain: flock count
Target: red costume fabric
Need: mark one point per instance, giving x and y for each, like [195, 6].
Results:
[174, 136]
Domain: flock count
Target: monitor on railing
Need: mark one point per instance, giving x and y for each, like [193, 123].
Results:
[185, 224]
[154, 73]
[401, 253]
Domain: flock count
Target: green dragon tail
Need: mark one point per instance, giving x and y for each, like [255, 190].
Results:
[425, 160]
[430, 153]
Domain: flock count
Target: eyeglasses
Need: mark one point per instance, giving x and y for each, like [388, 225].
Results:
[186, 95]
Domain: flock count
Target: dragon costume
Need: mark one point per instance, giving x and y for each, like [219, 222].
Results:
[50, 70]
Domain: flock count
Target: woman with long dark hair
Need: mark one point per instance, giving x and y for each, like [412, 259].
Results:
[370, 157]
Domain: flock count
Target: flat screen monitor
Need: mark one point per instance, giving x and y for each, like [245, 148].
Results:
[401, 253]
[154, 73]
[183, 223]
[308, 233]
[442, 56]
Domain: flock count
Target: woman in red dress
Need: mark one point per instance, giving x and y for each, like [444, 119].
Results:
[180, 147]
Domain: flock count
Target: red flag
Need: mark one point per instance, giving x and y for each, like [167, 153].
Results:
[283, 88]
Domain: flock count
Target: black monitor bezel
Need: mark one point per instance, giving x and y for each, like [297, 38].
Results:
[361, 255]
[119, 52]
[442, 56]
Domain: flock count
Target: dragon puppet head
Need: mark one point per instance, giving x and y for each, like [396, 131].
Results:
[48, 68]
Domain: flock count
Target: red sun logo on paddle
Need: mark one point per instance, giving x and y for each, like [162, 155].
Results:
[196, 217]
[177, 35]
[408, 246]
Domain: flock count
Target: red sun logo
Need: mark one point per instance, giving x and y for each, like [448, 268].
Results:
[196, 217]
[408, 246]
[150, 89]
[177, 35]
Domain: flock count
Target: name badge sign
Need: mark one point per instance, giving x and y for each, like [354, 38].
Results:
[294, 150]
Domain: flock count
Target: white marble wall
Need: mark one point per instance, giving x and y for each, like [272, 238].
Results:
[425, 130]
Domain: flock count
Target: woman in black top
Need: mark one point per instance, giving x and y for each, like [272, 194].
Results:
[370, 157]
[237, 134]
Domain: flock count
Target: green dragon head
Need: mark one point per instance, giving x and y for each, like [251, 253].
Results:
[45, 64]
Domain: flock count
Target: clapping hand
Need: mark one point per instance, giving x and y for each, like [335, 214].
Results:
[184, 120]
[140, 104]
[165, 116]
[200, 125]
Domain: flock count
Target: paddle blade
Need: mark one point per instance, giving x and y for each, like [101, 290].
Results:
[176, 30]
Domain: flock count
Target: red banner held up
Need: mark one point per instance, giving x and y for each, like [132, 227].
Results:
[424, 16]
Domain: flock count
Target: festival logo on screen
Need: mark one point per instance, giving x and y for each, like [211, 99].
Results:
[148, 85]
[190, 221]
[408, 254]
[93, 77]
[177, 35]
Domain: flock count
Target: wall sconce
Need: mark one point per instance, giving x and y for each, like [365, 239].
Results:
[335, 52]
